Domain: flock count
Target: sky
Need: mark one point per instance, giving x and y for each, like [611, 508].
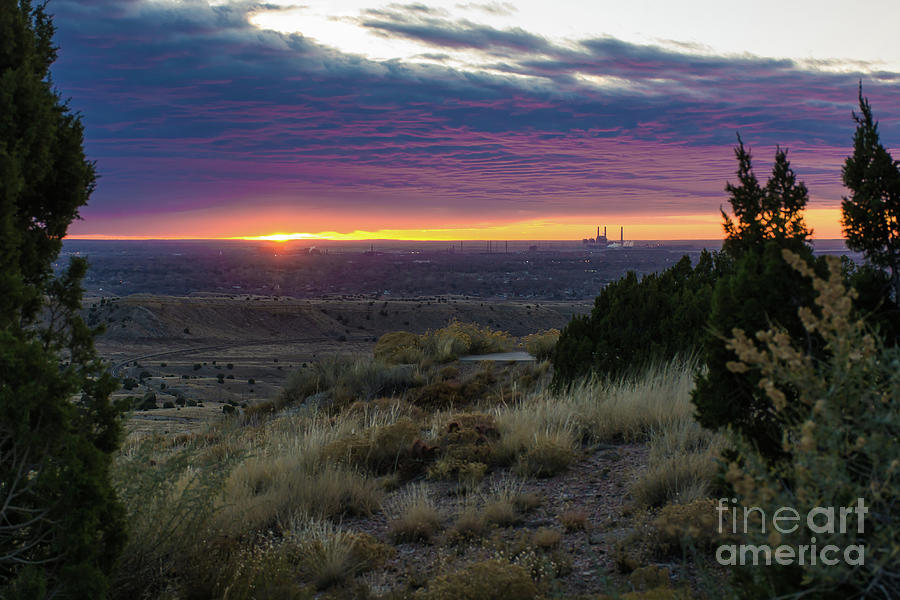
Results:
[462, 120]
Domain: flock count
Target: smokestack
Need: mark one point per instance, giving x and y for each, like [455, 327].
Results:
[604, 231]
[622, 235]
[598, 232]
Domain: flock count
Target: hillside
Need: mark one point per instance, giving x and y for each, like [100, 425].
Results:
[192, 320]
[178, 347]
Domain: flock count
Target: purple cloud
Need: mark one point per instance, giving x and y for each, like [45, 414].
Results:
[192, 106]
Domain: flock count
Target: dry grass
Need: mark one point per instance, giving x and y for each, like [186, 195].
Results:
[548, 454]
[546, 539]
[574, 519]
[682, 465]
[677, 479]
[297, 474]
[470, 523]
[344, 379]
[414, 516]
[326, 553]
[541, 433]
[500, 503]
[380, 449]
[442, 345]
[262, 492]
[596, 411]
[527, 502]
[494, 579]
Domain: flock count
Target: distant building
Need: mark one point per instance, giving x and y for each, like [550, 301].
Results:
[602, 242]
[598, 242]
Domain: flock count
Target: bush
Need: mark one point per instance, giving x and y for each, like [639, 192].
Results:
[501, 512]
[468, 439]
[488, 580]
[639, 322]
[470, 525]
[260, 570]
[677, 526]
[501, 506]
[345, 380]
[398, 347]
[169, 517]
[379, 449]
[129, 383]
[839, 444]
[546, 539]
[457, 339]
[541, 345]
[760, 291]
[746, 300]
[148, 402]
[574, 519]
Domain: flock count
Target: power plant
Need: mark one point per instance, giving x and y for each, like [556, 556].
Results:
[601, 241]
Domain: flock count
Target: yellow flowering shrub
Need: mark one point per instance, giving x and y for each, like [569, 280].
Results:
[842, 442]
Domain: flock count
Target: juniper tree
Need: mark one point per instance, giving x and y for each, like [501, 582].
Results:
[871, 214]
[773, 212]
[60, 522]
[760, 291]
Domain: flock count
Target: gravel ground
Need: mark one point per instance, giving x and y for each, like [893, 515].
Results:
[596, 485]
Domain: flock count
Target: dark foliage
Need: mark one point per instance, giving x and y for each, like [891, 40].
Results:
[873, 301]
[871, 214]
[61, 526]
[762, 290]
[636, 322]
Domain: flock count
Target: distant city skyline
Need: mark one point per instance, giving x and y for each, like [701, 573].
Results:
[450, 120]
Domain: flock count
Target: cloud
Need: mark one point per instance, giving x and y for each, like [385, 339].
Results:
[491, 8]
[188, 105]
[422, 26]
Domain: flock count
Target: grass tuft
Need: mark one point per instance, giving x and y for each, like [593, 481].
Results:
[414, 517]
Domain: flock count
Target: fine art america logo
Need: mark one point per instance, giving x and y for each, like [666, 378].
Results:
[821, 522]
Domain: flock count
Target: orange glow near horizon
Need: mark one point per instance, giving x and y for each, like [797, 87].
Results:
[825, 223]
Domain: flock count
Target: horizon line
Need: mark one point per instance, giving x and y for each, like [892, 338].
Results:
[371, 240]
